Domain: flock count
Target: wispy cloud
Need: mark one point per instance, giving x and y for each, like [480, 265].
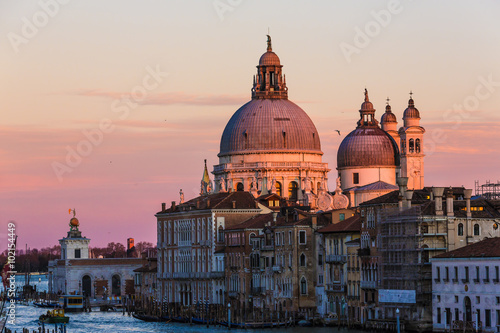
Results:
[171, 98]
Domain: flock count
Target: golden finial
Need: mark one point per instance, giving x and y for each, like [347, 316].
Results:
[366, 95]
[387, 100]
[269, 47]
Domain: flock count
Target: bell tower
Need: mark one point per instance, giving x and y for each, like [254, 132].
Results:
[412, 144]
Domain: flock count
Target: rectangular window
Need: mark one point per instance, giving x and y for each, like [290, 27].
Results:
[478, 299]
[438, 274]
[289, 238]
[447, 274]
[355, 178]
[498, 317]
[341, 217]
[466, 280]
[455, 279]
[77, 253]
[456, 299]
[497, 274]
[476, 280]
[487, 275]
[320, 279]
[448, 316]
[320, 260]
[456, 314]
[487, 317]
[302, 237]
[438, 316]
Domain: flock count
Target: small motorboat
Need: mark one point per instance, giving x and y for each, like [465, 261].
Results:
[55, 316]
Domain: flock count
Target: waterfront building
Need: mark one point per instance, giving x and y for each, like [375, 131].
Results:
[188, 236]
[353, 282]
[332, 265]
[76, 273]
[146, 280]
[465, 288]
[400, 232]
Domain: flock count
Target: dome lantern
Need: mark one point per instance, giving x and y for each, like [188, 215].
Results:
[269, 82]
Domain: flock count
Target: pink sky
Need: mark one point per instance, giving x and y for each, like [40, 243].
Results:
[72, 74]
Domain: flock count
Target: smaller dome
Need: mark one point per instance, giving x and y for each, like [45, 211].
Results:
[367, 106]
[411, 111]
[388, 116]
[74, 222]
[269, 59]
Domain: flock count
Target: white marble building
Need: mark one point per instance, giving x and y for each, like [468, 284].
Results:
[466, 287]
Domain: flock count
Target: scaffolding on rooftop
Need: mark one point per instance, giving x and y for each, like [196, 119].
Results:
[488, 190]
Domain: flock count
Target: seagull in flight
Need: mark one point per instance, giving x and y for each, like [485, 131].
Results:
[337, 131]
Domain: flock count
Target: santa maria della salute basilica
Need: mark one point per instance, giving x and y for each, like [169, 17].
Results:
[270, 145]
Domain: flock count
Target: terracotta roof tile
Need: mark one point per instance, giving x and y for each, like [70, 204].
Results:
[489, 247]
[351, 224]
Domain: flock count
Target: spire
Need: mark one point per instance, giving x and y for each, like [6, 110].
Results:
[410, 101]
[269, 82]
[206, 177]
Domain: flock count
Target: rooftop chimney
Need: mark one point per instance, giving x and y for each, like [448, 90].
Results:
[314, 221]
[409, 196]
[467, 195]
[173, 205]
[234, 204]
[275, 216]
[402, 183]
[400, 202]
[449, 202]
[438, 197]
[163, 206]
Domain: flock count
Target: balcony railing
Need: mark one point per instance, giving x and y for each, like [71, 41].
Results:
[267, 247]
[277, 268]
[258, 290]
[336, 258]
[216, 275]
[267, 165]
[335, 287]
[368, 284]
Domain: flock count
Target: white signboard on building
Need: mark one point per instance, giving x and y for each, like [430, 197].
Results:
[396, 296]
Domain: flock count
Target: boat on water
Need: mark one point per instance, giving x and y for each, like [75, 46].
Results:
[253, 325]
[147, 318]
[46, 304]
[55, 316]
[71, 303]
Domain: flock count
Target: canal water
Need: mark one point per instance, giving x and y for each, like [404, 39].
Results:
[116, 322]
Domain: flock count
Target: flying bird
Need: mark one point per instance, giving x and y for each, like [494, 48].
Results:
[337, 131]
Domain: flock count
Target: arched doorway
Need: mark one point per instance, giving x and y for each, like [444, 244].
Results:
[468, 310]
[86, 285]
[239, 187]
[278, 189]
[116, 285]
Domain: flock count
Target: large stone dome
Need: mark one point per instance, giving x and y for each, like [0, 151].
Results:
[367, 147]
[269, 125]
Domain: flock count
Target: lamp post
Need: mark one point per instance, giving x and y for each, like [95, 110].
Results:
[477, 321]
[228, 316]
[397, 320]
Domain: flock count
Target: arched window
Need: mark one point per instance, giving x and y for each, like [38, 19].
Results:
[476, 229]
[293, 188]
[460, 229]
[239, 187]
[417, 145]
[425, 254]
[303, 286]
[246, 139]
[303, 260]
[411, 146]
[424, 228]
[278, 189]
